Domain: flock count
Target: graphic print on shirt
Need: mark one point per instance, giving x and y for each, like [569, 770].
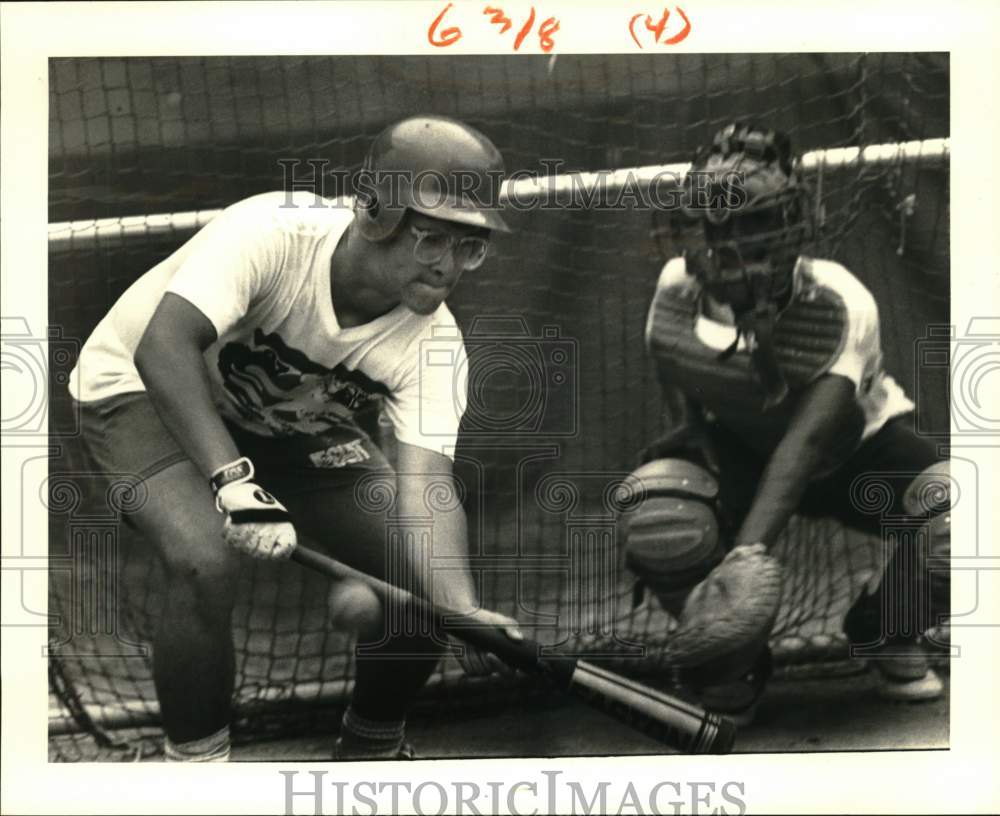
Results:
[279, 386]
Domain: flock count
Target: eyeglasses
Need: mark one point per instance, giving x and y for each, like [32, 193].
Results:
[431, 246]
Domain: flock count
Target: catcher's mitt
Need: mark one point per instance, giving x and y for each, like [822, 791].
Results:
[728, 617]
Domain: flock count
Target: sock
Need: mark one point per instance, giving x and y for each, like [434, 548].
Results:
[362, 737]
[213, 748]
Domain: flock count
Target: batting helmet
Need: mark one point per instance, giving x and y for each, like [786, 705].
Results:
[435, 166]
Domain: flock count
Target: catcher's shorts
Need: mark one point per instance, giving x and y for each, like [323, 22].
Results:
[895, 455]
[125, 437]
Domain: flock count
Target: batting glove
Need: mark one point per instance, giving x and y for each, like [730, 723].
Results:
[256, 522]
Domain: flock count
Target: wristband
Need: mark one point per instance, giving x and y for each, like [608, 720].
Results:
[240, 470]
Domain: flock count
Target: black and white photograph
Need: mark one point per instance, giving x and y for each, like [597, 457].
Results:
[602, 415]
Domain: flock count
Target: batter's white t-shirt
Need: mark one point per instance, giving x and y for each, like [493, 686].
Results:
[860, 360]
[282, 364]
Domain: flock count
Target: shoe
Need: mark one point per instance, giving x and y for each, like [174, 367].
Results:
[901, 666]
[904, 674]
[737, 700]
[405, 752]
[937, 644]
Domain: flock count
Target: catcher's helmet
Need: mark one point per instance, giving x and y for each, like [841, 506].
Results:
[745, 193]
[435, 166]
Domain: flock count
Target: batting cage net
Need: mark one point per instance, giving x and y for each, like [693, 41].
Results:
[562, 395]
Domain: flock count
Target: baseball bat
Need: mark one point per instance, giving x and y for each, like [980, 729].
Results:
[670, 720]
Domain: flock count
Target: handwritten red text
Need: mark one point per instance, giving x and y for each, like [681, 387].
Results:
[659, 28]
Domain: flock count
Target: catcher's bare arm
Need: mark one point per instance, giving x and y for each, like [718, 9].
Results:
[827, 419]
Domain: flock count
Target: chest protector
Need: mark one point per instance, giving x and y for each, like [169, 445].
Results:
[808, 336]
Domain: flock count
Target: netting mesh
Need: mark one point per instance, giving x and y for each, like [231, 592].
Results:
[565, 295]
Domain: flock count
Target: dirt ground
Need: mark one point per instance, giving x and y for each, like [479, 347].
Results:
[796, 715]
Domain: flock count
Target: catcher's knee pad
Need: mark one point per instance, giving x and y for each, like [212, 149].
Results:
[939, 530]
[670, 526]
[915, 588]
[930, 494]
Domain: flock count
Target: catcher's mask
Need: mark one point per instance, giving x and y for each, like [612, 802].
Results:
[434, 165]
[747, 220]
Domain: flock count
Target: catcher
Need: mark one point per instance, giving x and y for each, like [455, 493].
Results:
[773, 361]
[232, 380]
